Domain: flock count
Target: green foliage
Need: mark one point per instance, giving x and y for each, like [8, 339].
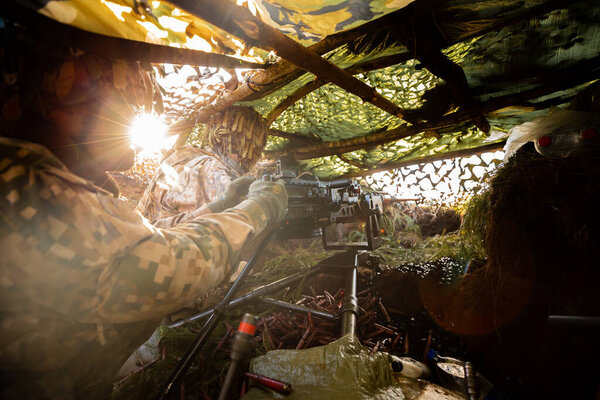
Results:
[474, 223]
[288, 257]
[403, 242]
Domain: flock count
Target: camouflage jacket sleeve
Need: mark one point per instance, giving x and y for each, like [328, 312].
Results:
[173, 221]
[169, 268]
[71, 248]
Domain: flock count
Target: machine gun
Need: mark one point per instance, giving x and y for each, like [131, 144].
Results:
[313, 205]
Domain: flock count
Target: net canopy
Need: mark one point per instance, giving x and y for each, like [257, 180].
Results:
[462, 72]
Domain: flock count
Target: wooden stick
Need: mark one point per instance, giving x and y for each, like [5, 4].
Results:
[374, 333]
[384, 311]
[311, 86]
[385, 329]
[444, 156]
[240, 22]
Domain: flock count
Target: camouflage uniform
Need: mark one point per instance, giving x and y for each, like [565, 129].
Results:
[185, 181]
[84, 282]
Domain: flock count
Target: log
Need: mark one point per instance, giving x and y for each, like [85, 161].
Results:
[444, 156]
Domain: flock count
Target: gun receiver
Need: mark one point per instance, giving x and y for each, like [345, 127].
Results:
[313, 205]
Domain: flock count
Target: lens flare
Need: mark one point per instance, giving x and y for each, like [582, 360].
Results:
[148, 134]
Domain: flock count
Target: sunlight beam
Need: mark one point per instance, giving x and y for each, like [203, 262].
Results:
[148, 134]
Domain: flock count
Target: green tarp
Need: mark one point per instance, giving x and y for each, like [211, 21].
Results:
[342, 370]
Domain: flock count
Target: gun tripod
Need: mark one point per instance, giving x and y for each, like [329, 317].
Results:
[346, 263]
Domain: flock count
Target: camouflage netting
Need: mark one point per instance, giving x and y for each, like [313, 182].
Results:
[514, 59]
[504, 48]
[238, 132]
[448, 181]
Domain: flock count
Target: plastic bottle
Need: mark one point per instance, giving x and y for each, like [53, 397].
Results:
[410, 368]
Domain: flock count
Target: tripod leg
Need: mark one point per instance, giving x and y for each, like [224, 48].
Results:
[350, 302]
[209, 326]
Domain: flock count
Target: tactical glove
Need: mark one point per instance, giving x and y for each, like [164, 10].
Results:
[272, 198]
[233, 194]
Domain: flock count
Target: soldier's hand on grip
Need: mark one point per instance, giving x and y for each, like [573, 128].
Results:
[271, 196]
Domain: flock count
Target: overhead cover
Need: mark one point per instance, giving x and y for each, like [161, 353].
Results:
[504, 47]
[159, 22]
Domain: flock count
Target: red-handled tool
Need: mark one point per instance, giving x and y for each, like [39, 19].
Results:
[270, 383]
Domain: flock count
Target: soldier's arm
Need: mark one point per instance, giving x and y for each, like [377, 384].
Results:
[69, 248]
[171, 267]
[173, 221]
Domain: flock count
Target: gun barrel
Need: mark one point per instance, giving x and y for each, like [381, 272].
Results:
[339, 183]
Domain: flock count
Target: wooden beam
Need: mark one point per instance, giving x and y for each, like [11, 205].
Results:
[354, 163]
[240, 22]
[358, 68]
[293, 98]
[258, 85]
[113, 47]
[451, 154]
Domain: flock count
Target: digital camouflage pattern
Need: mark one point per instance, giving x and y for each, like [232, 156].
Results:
[230, 145]
[84, 282]
[184, 182]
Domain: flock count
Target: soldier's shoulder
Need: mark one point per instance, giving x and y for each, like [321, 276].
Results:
[23, 163]
[185, 154]
[14, 151]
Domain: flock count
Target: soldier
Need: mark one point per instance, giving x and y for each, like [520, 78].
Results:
[232, 142]
[83, 281]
